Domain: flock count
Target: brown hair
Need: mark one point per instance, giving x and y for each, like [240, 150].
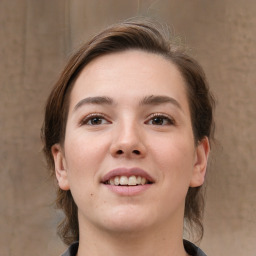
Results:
[147, 37]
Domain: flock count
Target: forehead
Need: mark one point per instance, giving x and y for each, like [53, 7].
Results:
[129, 73]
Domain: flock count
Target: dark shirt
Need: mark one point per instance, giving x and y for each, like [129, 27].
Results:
[190, 248]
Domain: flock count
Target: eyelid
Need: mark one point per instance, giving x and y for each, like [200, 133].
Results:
[86, 118]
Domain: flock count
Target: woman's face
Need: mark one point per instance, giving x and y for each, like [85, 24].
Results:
[129, 155]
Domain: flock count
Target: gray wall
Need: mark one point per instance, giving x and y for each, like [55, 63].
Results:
[36, 39]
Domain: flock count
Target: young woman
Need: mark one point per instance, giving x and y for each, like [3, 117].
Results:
[127, 132]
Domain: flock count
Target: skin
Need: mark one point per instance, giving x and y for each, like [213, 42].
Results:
[127, 134]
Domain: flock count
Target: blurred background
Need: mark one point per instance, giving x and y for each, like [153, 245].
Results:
[36, 39]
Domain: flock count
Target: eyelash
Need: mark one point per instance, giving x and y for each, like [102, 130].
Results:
[88, 118]
[170, 120]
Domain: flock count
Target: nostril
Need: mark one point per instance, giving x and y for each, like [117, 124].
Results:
[137, 152]
[120, 152]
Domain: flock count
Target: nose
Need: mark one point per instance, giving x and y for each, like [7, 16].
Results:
[128, 142]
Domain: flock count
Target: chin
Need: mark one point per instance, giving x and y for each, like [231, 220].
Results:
[127, 219]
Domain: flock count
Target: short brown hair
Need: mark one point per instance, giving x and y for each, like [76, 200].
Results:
[144, 36]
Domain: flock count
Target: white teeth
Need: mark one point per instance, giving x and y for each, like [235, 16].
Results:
[124, 181]
[132, 181]
[116, 180]
[138, 180]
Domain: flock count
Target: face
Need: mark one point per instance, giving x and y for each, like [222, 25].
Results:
[129, 147]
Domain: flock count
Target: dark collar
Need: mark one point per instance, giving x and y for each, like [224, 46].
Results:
[72, 250]
[190, 248]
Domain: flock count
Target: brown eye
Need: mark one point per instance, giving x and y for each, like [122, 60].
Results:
[94, 120]
[160, 120]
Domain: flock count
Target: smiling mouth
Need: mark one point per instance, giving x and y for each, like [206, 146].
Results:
[127, 181]
[127, 178]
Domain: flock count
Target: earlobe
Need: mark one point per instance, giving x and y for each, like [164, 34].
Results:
[201, 159]
[60, 166]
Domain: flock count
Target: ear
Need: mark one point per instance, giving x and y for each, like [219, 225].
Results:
[60, 166]
[201, 158]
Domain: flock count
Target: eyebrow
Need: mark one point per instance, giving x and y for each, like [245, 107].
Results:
[149, 100]
[157, 100]
[99, 100]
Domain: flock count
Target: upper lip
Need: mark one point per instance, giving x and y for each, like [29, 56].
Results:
[127, 172]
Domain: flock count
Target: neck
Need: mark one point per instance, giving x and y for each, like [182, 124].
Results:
[164, 241]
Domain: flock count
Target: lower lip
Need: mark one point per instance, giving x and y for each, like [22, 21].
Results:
[128, 190]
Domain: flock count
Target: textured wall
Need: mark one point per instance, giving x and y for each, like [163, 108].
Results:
[32, 51]
[36, 38]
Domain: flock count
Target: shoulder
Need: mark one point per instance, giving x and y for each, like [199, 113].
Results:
[192, 250]
[72, 250]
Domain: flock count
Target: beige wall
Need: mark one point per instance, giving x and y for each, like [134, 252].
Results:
[36, 38]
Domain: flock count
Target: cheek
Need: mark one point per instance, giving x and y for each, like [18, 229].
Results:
[174, 156]
[83, 152]
[173, 147]
[80, 163]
